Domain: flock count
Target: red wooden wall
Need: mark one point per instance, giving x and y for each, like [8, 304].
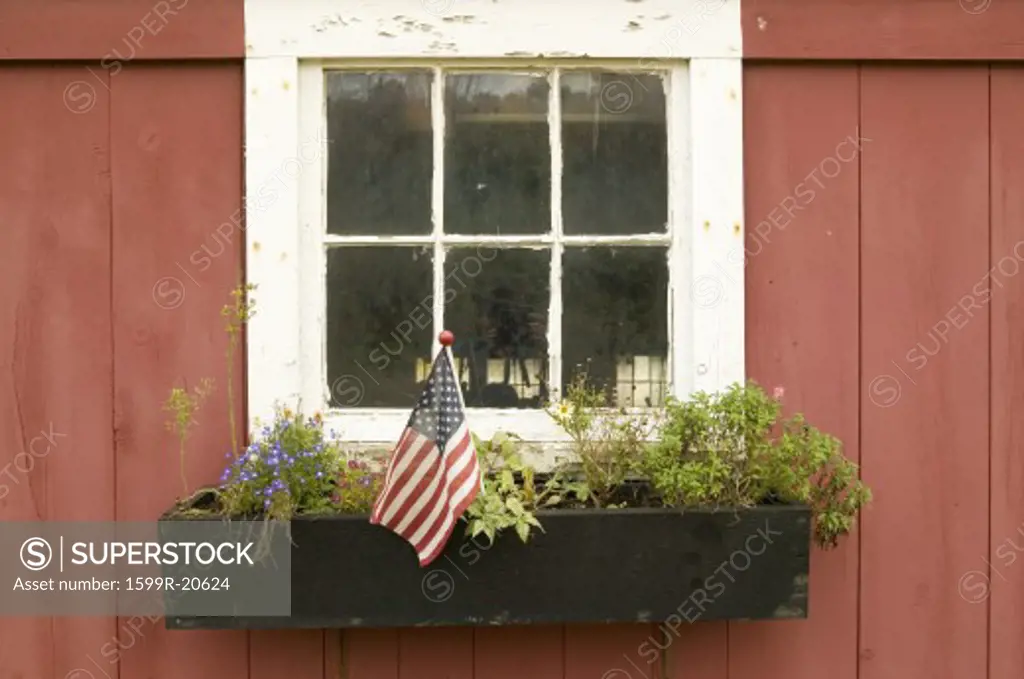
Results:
[888, 304]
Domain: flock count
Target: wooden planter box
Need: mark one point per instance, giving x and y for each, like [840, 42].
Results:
[618, 565]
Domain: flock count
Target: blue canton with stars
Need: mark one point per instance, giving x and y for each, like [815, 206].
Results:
[438, 414]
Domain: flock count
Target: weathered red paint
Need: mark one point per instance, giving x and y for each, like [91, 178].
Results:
[177, 175]
[612, 651]
[983, 30]
[498, 652]
[55, 348]
[114, 33]
[296, 654]
[435, 653]
[924, 424]
[700, 651]
[369, 654]
[803, 325]
[1006, 583]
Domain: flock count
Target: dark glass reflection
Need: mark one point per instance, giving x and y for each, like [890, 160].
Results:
[615, 321]
[497, 306]
[497, 166]
[379, 325]
[380, 153]
[615, 163]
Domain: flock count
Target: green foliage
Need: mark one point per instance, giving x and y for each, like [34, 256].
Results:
[504, 502]
[607, 443]
[806, 466]
[183, 406]
[707, 447]
[731, 450]
[289, 468]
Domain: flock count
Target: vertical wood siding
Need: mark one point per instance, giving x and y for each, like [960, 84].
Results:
[803, 322]
[851, 306]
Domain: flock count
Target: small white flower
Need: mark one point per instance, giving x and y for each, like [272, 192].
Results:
[562, 410]
[253, 457]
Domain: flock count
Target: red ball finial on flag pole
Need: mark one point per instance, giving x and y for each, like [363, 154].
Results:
[446, 338]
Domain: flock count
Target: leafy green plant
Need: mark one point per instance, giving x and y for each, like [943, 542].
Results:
[730, 449]
[807, 466]
[607, 443]
[503, 502]
[289, 468]
[183, 406]
[707, 448]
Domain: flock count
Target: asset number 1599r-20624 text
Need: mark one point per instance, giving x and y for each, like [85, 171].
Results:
[182, 584]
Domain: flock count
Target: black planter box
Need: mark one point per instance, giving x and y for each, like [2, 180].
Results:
[618, 565]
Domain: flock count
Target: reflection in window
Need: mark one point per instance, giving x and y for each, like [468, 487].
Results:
[615, 160]
[615, 321]
[380, 152]
[497, 306]
[378, 323]
[497, 163]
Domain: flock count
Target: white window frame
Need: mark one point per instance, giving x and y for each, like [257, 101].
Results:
[289, 44]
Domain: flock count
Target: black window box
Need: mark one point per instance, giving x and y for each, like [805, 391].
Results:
[589, 565]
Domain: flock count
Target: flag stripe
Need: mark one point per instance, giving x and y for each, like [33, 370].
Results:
[420, 469]
[441, 505]
[444, 523]
[424, 507]
[400, 462]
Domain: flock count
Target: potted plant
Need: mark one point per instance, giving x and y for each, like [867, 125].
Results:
[705, 509]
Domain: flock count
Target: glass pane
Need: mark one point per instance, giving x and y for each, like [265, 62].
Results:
[497, 160]
[615, 164]
[380, 157]
[379, 322]
[497, 306]
[615, 321]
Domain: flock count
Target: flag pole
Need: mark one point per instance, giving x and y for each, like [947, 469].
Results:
[447, 339]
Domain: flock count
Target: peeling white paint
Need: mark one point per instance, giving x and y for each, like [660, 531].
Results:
[339, 29]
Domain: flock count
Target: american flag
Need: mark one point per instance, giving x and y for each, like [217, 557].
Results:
[433, 475]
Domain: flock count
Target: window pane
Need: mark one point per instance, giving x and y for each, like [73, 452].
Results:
[615, 321]
[615, 165]
[380, 160]
[497, 162]
[379, 322]
[497, 306]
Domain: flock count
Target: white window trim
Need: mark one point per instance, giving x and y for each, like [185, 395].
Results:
[288, 45]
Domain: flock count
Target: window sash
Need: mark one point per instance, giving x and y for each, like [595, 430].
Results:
[360, 423]
[704, 129]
